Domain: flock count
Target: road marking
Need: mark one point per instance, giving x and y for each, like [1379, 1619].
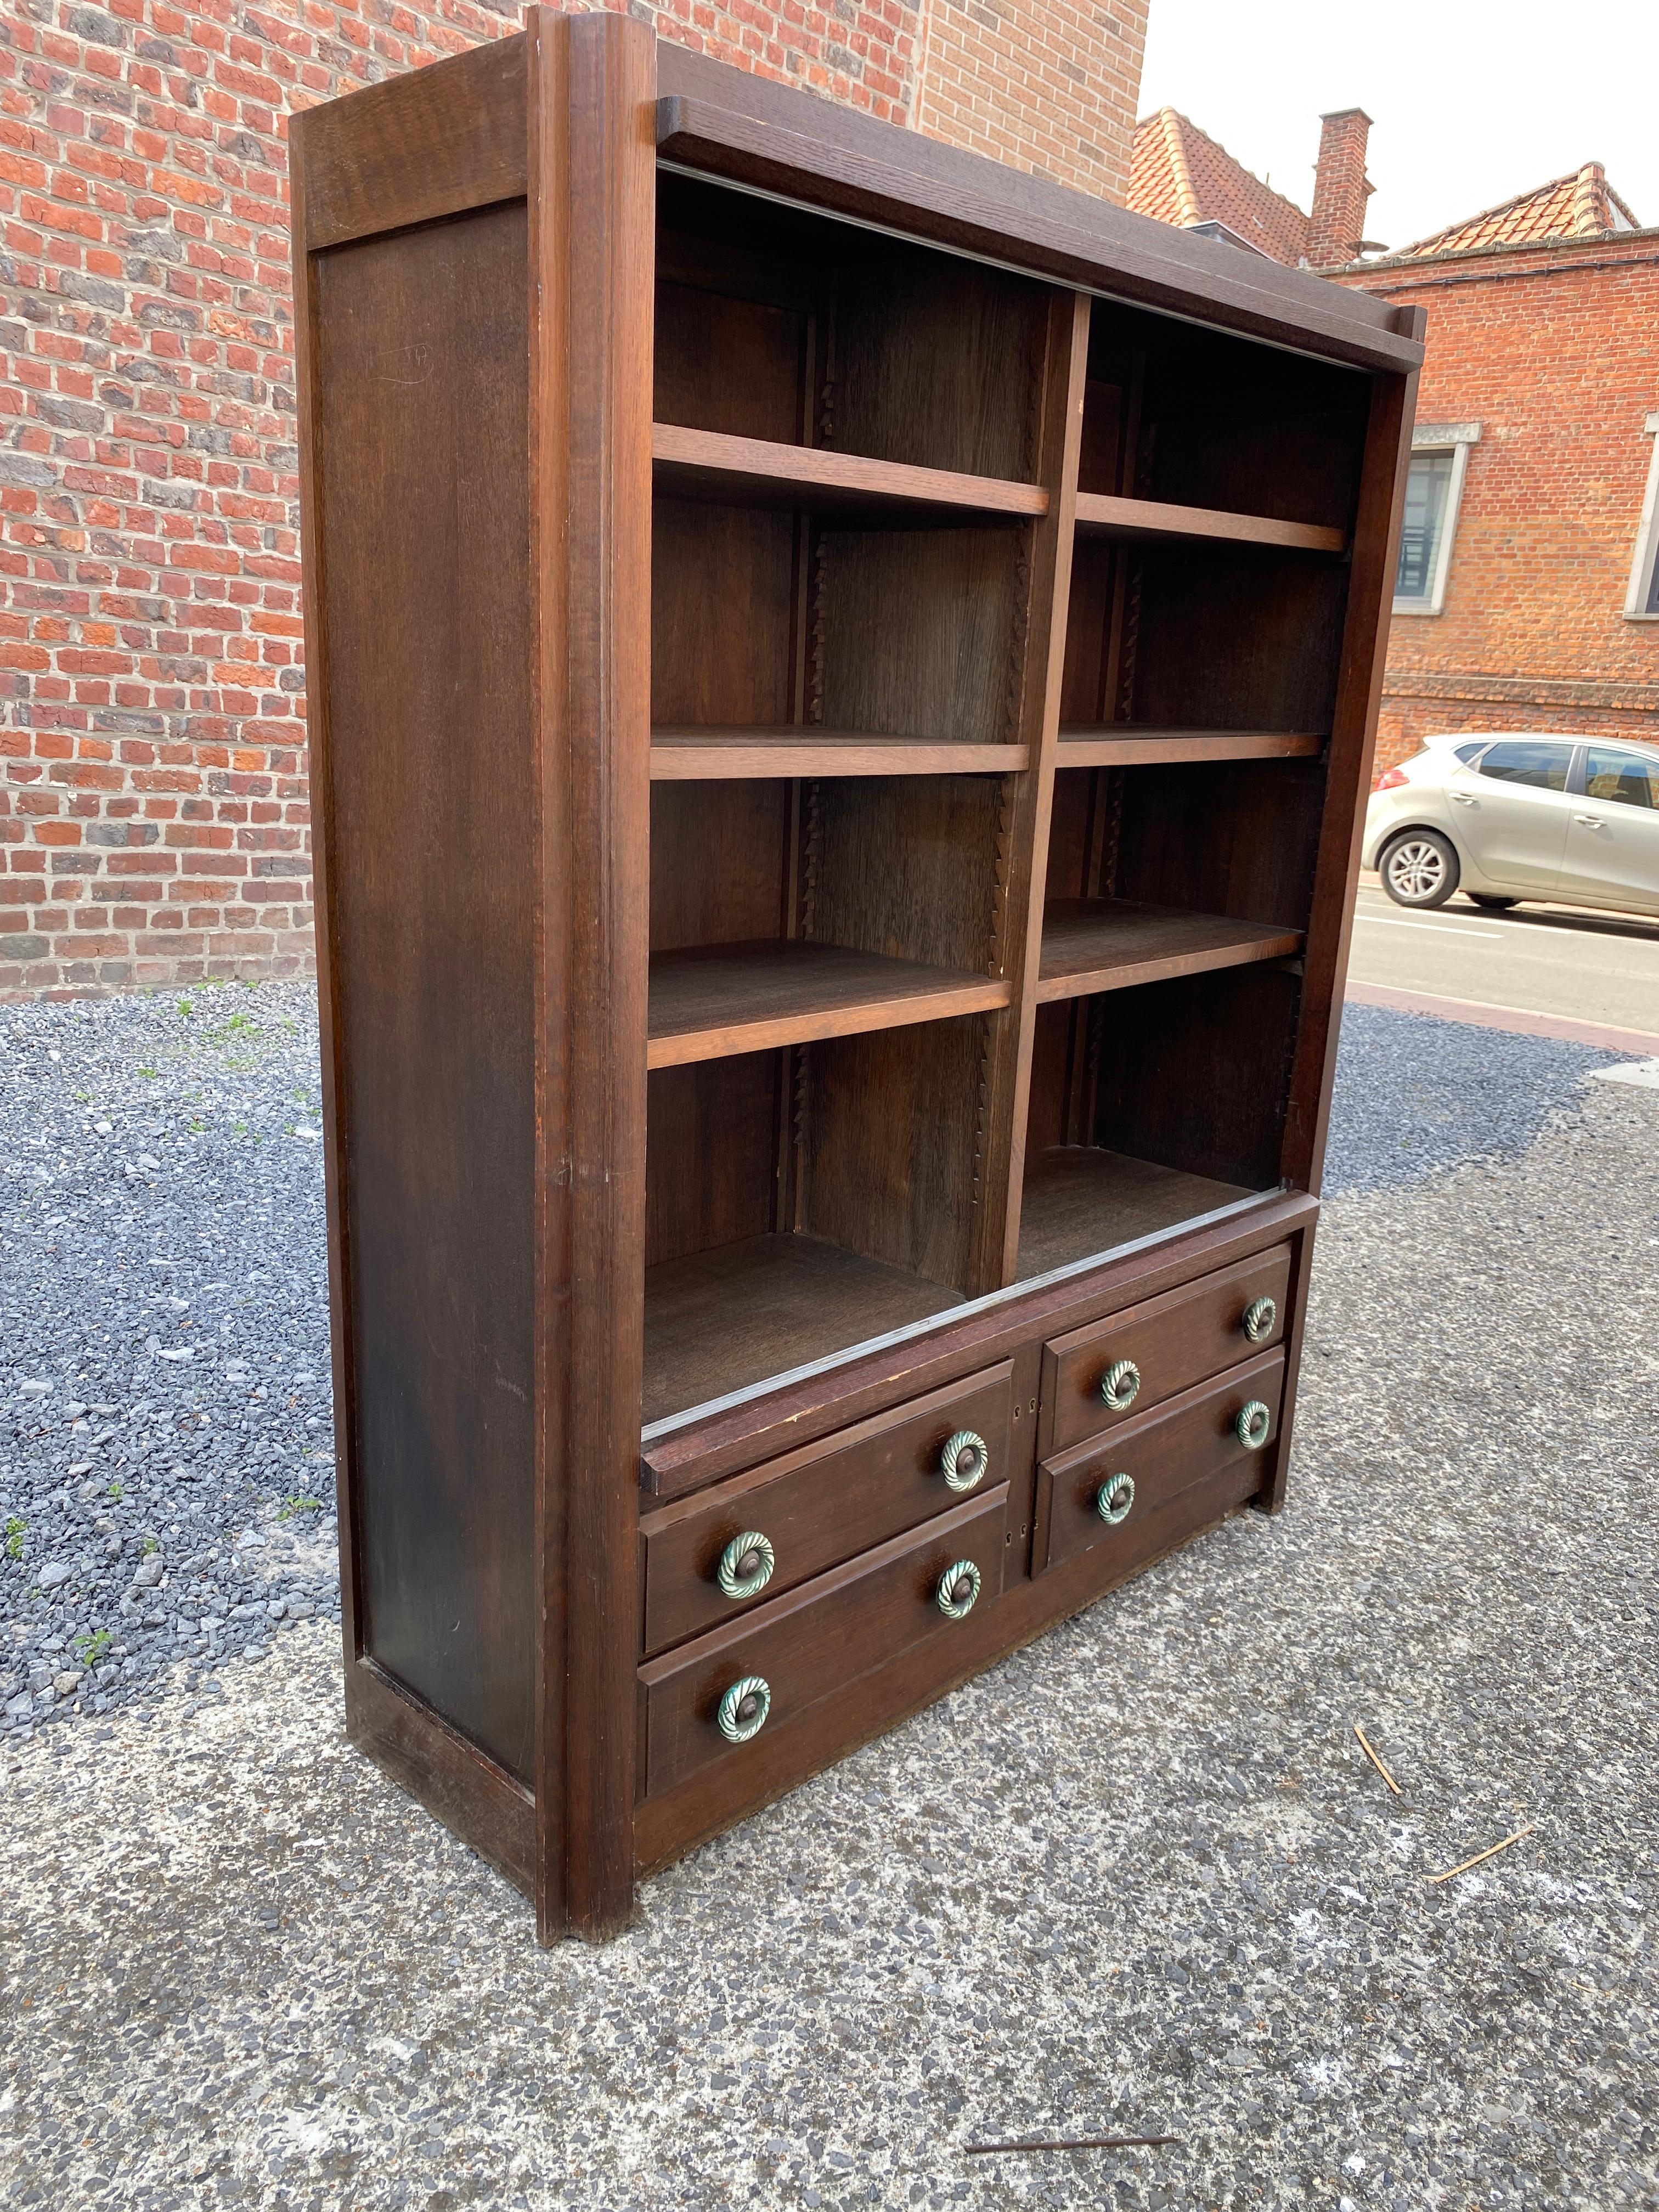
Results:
[1443, 928]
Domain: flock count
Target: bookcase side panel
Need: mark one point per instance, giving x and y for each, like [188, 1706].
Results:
[420, 423]
[1353, 739]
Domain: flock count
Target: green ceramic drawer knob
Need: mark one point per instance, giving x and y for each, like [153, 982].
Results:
[744, 1708]
[1120, 1386]
[957, 1589]
[963, 1461]
[1260, 1320]
[1115, 1499]
[1253, 1425]
[746, 1564]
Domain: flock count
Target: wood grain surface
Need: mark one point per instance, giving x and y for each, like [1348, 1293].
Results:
[819, 1505]
[714, 999]
[1080, 1199]
[703, 754]
[710, 464]
[1107, 944]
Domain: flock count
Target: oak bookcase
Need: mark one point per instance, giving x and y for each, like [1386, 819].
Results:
[842, 680]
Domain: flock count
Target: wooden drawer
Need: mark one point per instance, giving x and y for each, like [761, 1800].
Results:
[1191, 1439]
[1172, 1341]
[812, 1643]
[819, 1505]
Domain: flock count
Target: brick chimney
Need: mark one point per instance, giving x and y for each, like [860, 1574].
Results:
[1340, 189]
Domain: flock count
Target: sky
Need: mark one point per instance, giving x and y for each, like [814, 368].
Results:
[1471, 102]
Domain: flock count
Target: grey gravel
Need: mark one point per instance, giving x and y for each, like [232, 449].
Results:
[1139, 1878]
[1414, 1095]
[163, 1338]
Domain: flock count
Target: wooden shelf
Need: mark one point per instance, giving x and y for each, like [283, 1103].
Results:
[1119, 744]
[1109, 944]
[707, 756]
[1080, 1201]
[712, 1001]
[722, 1320]
[1150, 518]
[708, 465]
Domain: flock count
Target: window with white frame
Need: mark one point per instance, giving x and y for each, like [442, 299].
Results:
[1434, 491]
[1642, 603]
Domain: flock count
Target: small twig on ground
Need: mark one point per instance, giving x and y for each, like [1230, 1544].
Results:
[1076, 2142]
[1366, 1745]
[1491, 1851]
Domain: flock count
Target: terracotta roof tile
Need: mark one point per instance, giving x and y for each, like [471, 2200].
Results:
[1581, 204]
[1181, 175]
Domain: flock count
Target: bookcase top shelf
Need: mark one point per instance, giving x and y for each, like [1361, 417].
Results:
[1109, 944]
[713, 755]
[708, 464]
[711, 1001]
[1152, 518]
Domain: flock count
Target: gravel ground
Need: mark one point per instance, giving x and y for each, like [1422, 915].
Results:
[1137, 1880]
[1414, 1095]
[166, 1452]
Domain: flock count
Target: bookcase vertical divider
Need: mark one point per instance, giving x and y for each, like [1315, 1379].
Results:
[1037, 692]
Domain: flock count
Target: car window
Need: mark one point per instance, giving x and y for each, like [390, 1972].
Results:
[1625, 777]
[1466, 753]
[1517, 761]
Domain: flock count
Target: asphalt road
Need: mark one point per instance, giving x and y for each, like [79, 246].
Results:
[1553, 960]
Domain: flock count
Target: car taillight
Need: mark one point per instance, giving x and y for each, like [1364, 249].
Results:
[1392, 781]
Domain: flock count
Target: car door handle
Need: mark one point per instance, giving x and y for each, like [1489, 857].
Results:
[1590, 821]
[1465, 798]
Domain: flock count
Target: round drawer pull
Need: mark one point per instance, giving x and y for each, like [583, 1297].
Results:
[744, 1708]
[1261, 1319]
[746, 1564]
[963, 1461]
[1120, 1386]
[1115, 1499]
[1253, 1425]
[957, 1588]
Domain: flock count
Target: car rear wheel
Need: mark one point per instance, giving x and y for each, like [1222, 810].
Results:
[1491, 901]
[1420, 868]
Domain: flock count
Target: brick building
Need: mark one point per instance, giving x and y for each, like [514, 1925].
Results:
[153, 803]
[1179, 174]
[1527, 594]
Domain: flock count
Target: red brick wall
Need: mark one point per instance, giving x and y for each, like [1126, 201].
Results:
[1555, 352]
[154, 823]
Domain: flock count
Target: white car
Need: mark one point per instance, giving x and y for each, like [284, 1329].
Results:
[1506, 818]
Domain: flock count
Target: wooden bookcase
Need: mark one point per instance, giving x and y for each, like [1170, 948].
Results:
[842, 686]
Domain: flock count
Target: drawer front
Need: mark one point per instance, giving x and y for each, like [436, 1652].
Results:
[1170, 1342]
[814, 1642]
[820, 1505]
[1141, 1467]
